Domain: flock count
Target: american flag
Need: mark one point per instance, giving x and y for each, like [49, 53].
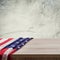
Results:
[10, 45]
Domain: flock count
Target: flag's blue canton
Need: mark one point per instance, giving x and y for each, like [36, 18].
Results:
[18, 43]
[13, 43]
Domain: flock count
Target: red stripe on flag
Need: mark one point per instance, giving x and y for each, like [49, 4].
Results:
[2, 52]
[9, 39]
[1, 38]
[12, 51]
[10, 55]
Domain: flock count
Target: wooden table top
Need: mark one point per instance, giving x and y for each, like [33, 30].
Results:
[41, 46]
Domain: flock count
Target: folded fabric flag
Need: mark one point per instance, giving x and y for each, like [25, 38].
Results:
[11, 45]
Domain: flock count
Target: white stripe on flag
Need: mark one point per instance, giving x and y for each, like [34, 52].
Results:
[6, 53]
[2, 40]
[2, 46]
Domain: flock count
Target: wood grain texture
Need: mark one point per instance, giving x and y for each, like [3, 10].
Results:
[39, 49]
[41, 46]
[36, 57]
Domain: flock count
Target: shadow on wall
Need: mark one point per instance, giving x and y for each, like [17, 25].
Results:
[37, 18]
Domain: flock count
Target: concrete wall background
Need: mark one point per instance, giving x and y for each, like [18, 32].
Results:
[36, 18]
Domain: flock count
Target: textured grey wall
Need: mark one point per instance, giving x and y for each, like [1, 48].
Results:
[37, 18]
